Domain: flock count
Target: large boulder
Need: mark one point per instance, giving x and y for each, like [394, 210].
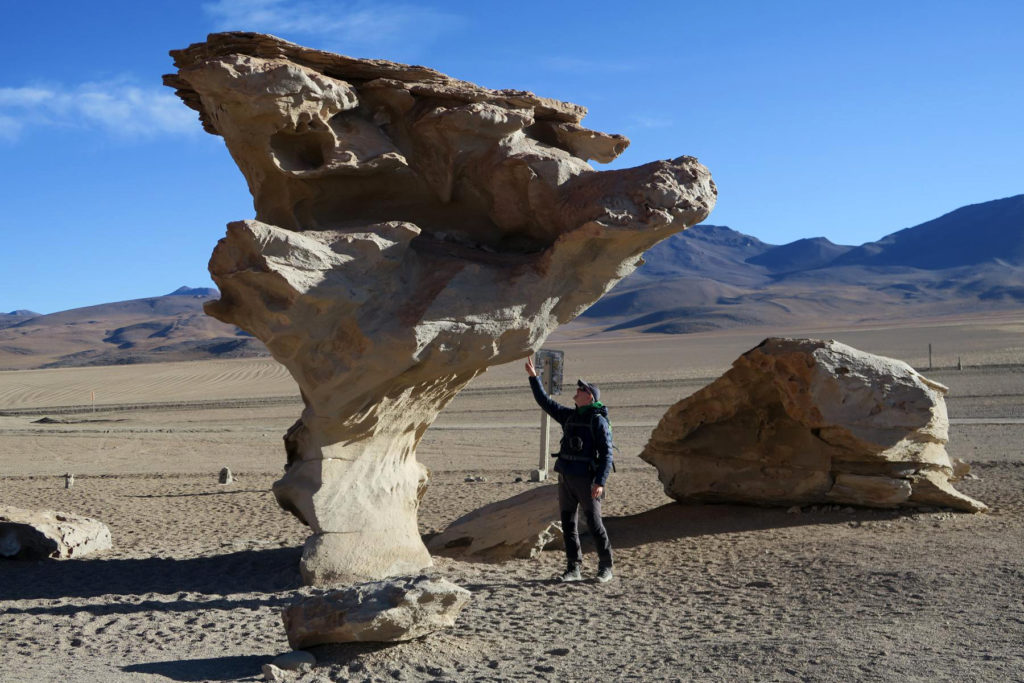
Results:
[798, 421]
[38, 534]
[411, 230]
[387, 611]
[519, 527]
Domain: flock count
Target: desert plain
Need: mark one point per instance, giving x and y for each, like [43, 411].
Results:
[193, 588]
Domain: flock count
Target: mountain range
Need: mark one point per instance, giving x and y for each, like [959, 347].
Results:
[705, 278]
[713, 277]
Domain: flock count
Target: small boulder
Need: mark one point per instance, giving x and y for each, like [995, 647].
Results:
[38, 534]
[387, 611]
[225, 476]
[519, 527]
[296, 660]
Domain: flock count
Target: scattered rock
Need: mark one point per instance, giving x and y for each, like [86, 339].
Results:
[798, 421]
[37, 534]
[381, 611]
[69, 480]
[296, 660]
[411, 230]
[273, 673]
[225, 476]
[519, 527]
[794, 510]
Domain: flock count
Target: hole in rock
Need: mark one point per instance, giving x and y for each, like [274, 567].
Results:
[299, 151]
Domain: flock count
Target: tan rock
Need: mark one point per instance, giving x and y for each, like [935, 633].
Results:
[799, 421]
[37, 534]
[519, 527]
[411, 230]
[390, 611]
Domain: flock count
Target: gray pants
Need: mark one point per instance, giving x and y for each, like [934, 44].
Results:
[574, 493]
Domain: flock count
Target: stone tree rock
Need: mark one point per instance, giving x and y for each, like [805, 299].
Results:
[411, 230]
[798, 421]
[38, 534]
[519, 527]
[388, 611]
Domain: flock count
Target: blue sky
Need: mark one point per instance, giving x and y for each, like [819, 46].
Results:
[837, 119]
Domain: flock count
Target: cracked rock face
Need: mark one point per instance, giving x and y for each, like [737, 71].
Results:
[800, 421]
[410, 231]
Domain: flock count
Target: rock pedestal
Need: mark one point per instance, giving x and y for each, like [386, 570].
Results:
[799, 421]
[411, 230]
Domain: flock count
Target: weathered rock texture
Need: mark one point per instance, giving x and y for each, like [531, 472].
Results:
[799, 421]
[38, 534]
[382, 611]
[411, 230]
[519, 527]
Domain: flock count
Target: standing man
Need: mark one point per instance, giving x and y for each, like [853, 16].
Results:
[584, 462]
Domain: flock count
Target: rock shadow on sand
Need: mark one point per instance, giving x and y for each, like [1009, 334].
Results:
[673, 521]
[244, 572]
[212, 669]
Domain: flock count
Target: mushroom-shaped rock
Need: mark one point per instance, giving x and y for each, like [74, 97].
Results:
[518, 527]
[388, 611]
[38, 534]
[411, 230]
[798, 421]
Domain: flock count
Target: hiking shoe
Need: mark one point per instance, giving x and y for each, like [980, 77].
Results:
[604, 574]
[571, 574]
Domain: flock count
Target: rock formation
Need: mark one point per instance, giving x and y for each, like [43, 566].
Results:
[381, 611]
[519, 527]
[411, 230]
[798, 421]
[38, 534]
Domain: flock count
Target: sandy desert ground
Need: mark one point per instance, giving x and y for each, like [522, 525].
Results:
[193, 588]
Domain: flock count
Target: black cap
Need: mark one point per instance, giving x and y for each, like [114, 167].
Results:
[592, 388]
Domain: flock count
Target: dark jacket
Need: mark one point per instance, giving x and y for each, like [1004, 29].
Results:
[590, 425]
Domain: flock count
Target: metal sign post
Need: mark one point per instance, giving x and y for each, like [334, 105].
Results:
[548, 363]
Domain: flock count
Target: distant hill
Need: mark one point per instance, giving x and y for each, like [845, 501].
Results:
[155, 329]
[805, 254]
[712, 277]
[979, 233]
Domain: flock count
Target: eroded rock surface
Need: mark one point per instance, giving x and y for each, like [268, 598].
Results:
[411, 230]
[38, 534]
[519, 527]
[388, 611]
[798, 421]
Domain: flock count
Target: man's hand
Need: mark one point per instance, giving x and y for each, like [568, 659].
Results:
[530, 369]
[596, 490]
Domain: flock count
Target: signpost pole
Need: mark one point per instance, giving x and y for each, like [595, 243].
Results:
[549, 368]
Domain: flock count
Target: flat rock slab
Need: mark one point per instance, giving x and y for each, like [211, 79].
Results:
[387, 611]
[38, 534]
[519, 527]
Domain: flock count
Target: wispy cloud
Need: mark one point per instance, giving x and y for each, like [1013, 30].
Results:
[578, 64]
[350, 27]
[116, 107]
[652, 122]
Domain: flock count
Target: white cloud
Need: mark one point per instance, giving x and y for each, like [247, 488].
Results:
[349, 27]
[116, 107]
